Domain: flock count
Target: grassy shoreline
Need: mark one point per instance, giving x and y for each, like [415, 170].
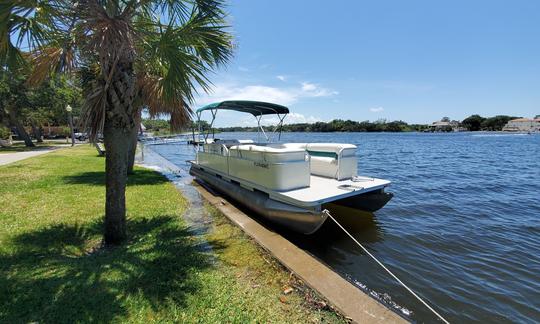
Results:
[52, 270]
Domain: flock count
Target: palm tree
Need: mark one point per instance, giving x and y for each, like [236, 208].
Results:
[131, 54]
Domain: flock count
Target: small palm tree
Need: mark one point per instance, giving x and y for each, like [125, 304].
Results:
[130, 54]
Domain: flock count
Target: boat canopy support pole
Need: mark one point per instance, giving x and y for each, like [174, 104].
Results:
[198, 137]
[278, 127]
[214, 113]
[259, 117]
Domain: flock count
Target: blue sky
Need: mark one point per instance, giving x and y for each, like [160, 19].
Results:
[411, 60]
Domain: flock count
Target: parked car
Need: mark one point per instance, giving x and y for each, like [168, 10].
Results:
[81, 136]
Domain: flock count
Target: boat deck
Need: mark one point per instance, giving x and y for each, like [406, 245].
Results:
[323, 190]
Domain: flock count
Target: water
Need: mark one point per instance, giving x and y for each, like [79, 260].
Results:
[463, 229]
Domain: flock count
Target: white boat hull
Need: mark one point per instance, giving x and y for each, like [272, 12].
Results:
[306, 221]
[296, 218]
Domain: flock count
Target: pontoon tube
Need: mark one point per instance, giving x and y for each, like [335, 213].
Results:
[295, 218]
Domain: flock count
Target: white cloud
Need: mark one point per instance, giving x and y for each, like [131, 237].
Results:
[376, 109]
[279, 95]
[292, 118]
[314, 90]
[306, 86]
[223, 92]
[243, 69]
[281, 77]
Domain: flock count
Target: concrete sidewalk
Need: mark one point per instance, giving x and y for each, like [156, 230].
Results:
[7, 158]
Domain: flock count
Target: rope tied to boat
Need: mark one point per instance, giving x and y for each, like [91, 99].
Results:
[385, 268]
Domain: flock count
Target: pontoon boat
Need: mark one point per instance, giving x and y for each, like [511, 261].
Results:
[288, 183]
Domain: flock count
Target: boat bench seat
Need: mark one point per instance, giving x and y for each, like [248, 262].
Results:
[277, 169]
[331, 160]
[268, 153]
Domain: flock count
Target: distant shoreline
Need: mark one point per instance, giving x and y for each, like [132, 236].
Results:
[226, 130]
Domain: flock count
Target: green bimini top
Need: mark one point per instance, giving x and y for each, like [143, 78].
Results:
[256, 108]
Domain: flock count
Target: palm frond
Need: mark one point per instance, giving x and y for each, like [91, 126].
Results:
[108, 37]
[10, 56]
[94, 106]
[184, 55]
[165, 9]
[29, 26]
[49, 60]
[152, 96]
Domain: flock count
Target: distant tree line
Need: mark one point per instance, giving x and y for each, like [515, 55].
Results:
[471, 123]
[477, 122]
[339, 125]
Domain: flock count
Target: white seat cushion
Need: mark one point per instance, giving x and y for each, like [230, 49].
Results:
[268, 153]
[331, 160]
[324, 166]
[273, 168]
[337, 148]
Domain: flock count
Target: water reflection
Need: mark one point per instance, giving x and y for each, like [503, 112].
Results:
[331, 244]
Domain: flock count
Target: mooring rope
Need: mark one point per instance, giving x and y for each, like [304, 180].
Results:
[385, 268]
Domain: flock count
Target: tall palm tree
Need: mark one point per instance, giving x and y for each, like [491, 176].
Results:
[131, 54]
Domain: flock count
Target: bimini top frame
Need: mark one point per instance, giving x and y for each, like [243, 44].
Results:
[257, 108]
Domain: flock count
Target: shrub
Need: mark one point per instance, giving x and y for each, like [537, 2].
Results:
[66, 131]
[4, 132]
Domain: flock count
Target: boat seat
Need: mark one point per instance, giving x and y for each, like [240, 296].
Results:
[277, 169]
[268, 153]
[331, 160]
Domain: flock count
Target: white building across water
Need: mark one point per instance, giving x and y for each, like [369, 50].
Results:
[523, 125]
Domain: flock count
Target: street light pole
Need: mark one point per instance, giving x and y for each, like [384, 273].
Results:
[70, 120]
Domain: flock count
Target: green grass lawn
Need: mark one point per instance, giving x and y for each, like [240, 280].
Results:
[52, 271]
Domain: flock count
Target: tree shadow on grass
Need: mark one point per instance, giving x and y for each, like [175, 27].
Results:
[97, 178]
[49, 278]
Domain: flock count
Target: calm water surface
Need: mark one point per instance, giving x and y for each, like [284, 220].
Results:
[463, 229]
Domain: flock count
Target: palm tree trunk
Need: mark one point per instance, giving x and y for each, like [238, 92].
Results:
[116, 144]
[119, 124]
[133, 143]
[20, 128]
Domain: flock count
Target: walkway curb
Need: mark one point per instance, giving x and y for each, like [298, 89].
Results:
[344, 296]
